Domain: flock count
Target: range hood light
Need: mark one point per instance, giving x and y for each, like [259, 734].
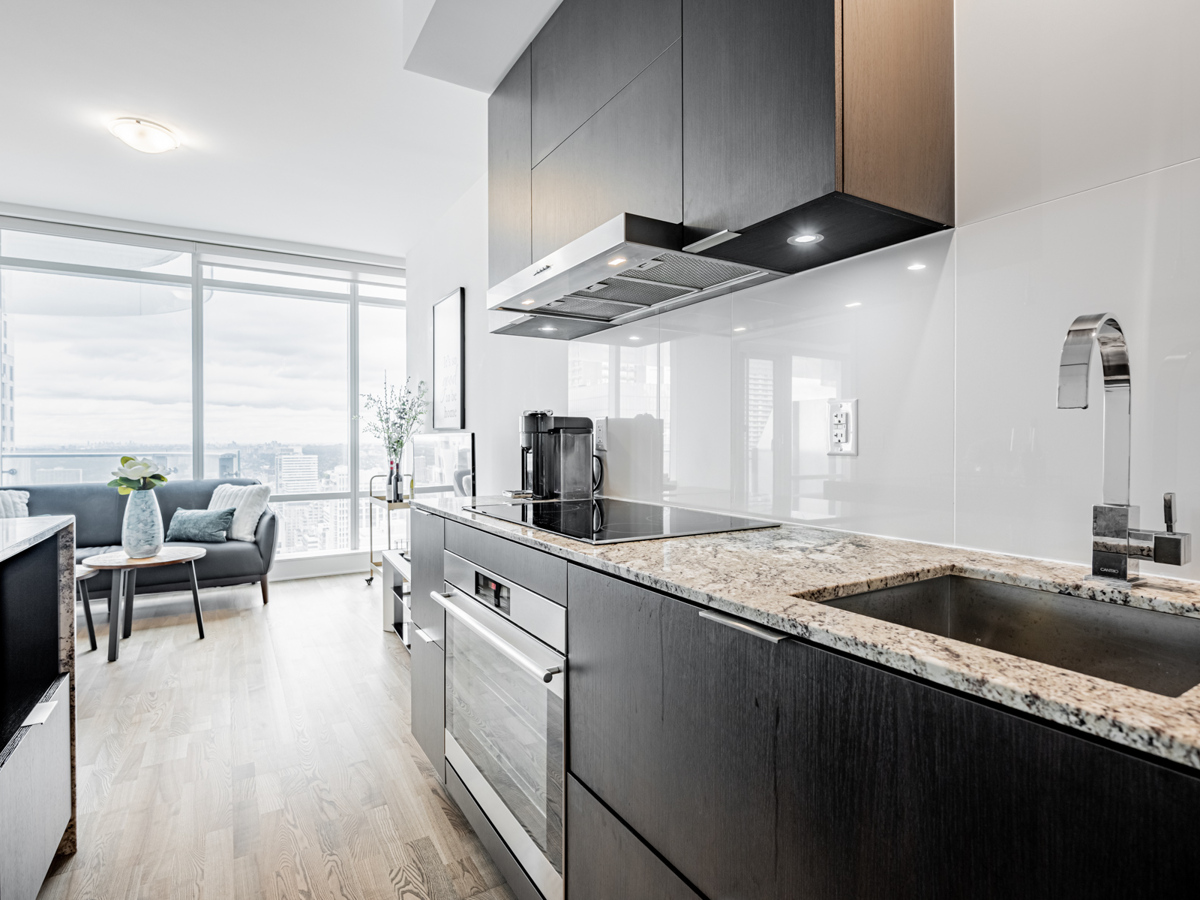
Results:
[806, 238]
[616, 261]
[547, 328]
[529, 301]
[852, 305]
[634, 337]
[740, 328]
[916, 267]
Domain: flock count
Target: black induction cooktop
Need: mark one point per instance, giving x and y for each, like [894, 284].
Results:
[605, 521]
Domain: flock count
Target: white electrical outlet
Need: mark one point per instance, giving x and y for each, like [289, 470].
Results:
[843, 428]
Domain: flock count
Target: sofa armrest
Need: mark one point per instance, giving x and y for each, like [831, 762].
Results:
[265, 538]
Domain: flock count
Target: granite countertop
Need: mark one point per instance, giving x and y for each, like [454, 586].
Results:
[779, 576]
[20, 534]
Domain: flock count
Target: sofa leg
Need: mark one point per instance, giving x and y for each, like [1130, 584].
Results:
[263, 585]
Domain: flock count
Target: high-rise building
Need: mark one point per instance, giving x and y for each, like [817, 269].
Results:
[296, 473]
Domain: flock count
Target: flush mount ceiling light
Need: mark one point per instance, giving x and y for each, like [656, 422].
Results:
[144, 135]
[806, 239]
[916, 267]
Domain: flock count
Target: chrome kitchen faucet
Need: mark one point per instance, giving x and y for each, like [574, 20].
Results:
[1118, 541]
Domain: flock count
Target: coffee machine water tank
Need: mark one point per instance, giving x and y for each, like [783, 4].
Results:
[556, 456]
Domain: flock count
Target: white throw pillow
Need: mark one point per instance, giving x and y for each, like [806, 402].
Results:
[14, 504]
[249, 501]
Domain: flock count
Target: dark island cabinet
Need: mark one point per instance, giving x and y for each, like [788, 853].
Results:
[428, 661]
[779, 769]
[672, 725]
[612, 862]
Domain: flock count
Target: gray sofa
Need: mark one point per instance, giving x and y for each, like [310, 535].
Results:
[98, 512]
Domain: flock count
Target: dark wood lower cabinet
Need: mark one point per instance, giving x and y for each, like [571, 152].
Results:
[785, 770]
[608, 861]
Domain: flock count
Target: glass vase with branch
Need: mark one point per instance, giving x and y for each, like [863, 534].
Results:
[394, 417]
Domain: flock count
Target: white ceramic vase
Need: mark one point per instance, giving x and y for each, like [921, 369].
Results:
[142, 527]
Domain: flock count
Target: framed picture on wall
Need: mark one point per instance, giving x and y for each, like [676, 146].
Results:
[449, 362]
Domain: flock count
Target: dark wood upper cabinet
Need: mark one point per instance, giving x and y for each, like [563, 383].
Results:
[628, 157]
[767, 118]
[586, 53]
[828, 116]
[759, 108]
[509, 179]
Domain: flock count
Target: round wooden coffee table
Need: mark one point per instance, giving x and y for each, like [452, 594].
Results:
[124, 580]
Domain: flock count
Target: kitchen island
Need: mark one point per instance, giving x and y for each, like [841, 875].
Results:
[37, 699]
[939, 758]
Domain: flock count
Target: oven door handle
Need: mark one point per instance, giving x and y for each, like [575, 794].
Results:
[545, 674]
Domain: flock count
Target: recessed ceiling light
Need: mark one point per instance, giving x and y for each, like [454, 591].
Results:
[547, 328]
[916, 267]
[740, 328]
[616, 260]
[852, 305]
[806, 238]
[528, 302]
[144, 135]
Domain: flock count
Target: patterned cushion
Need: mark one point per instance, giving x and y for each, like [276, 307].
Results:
[200, 526]
[249, 501]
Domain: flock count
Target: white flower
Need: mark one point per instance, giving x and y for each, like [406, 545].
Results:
[138, 469]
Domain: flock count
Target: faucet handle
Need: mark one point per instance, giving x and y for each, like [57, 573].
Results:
[1169, 512]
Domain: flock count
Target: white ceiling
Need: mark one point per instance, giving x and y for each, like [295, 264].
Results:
[470, 42]
[300, 122]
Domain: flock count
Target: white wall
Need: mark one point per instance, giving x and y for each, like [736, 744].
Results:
[505, 375]
[1078, 192]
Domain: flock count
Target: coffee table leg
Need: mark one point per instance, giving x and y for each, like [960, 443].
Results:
[114, 614]
[196, 599]
[87, 611]
[130, 587]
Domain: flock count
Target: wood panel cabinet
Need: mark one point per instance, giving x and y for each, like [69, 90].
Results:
[510, 195]
[586, 53]
[760, 111]
[832, 117]
[672, 726]
[427, 651]
[780, 770]
[428, 539]
[610, 862]
[628, 157]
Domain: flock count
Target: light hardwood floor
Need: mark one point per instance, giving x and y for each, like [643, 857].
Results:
[272, 759]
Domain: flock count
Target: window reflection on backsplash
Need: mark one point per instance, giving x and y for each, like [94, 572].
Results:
[741, 385]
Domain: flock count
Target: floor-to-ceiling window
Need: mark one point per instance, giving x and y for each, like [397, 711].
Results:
[209, 359]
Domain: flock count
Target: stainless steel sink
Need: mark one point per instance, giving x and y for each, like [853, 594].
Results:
[1154, 651]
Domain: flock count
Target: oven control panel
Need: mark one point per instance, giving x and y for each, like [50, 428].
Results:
[493, 593]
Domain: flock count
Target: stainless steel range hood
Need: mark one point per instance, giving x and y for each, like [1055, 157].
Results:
[629, 268]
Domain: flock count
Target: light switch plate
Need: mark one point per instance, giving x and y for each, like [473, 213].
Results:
[843, 428]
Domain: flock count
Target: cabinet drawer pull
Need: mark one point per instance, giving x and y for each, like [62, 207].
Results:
[422, 635]
[40, 713]
[741, 625]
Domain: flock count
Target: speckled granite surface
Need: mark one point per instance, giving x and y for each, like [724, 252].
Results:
[778, 576]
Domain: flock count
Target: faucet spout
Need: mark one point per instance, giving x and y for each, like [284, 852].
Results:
[1105, 331]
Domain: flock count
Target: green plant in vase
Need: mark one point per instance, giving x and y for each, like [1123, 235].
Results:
[142, 526]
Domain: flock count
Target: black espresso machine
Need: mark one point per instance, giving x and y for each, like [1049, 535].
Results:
[557, 460]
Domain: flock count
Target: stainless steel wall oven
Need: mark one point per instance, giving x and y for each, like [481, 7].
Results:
[506, 711]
